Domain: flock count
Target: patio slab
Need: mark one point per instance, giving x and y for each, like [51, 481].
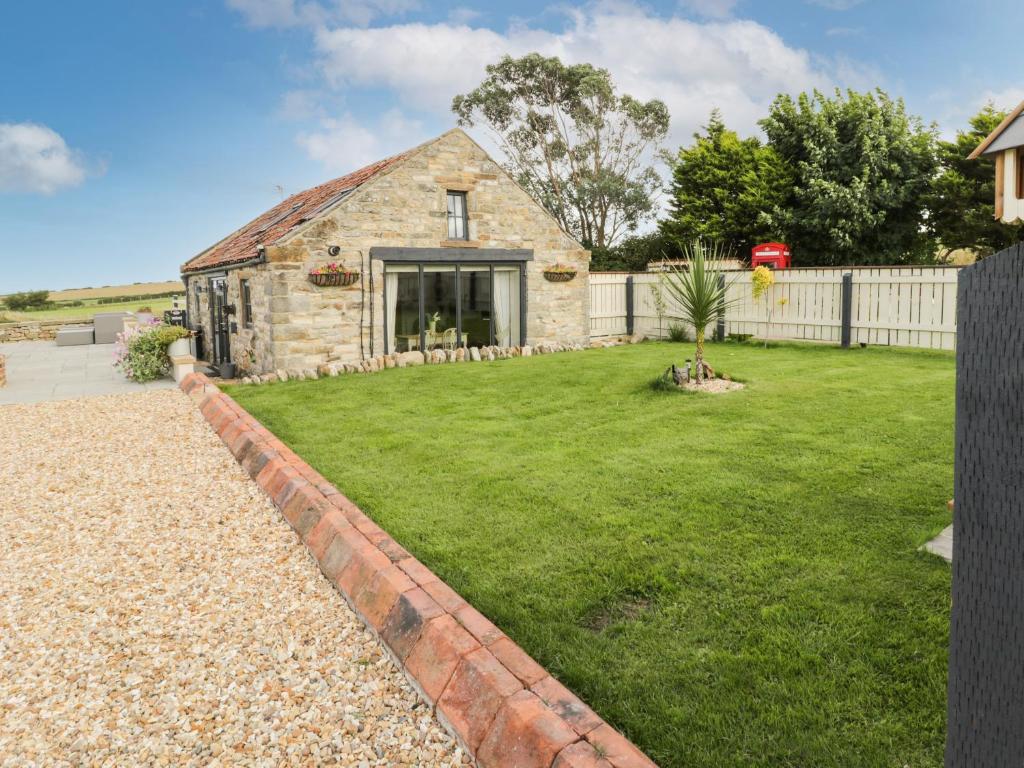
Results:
[40, 370]
[942, 545]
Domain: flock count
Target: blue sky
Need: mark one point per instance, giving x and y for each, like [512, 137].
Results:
[134, 134]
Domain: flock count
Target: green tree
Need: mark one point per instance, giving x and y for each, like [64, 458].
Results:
[28, 300]
[575, 144]
[633, 253]
[725, 188]
[863, 168]
[701, 290]
[962, 202]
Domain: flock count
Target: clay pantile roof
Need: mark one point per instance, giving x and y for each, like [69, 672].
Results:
[282, 218]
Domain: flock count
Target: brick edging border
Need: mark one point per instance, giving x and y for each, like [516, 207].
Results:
[501, 705]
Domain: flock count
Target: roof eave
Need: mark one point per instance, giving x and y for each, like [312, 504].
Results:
[980, 149]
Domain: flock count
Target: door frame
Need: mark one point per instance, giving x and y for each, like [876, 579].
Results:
[454, 257]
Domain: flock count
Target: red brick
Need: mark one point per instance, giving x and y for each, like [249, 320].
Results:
[417, 571]
[445, 596]
[326, 488]
[395, 551]
[407, 619]
[269, 469]
[323, 533]
[617, 749]
[525, 734]
[518, 662]
[339, 552]
[364, 563]
[580, 755]
[478, 625]
[243, 443]
[442, 644]
[342, 502]
[474, 695]
[567, 705]
[376, 599]
[279, 479]
[231, 431]
[289, 489]
[303, 499]
[257, 459]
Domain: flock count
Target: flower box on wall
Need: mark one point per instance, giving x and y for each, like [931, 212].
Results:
[559, 275]
[333, 278]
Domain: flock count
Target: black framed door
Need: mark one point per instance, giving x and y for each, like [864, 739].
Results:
[220, 341]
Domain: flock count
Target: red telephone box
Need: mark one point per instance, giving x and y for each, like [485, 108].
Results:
[773, 255]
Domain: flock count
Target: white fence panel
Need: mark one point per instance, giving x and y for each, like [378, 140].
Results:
[899, 306]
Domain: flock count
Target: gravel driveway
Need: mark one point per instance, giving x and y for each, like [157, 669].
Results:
[155, 609]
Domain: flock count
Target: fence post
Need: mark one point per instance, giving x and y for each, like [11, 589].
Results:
[720, 324]
[986, 656]
[846, 309]
[629, 305]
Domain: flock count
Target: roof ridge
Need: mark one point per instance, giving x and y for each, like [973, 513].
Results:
[276, 222]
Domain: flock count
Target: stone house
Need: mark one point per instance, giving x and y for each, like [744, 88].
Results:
[445, 250]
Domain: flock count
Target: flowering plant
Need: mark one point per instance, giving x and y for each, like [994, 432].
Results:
[141, 352]
[763, 279]
[331, 269]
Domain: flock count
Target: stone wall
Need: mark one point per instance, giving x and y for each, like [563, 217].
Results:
[43, 330]
[406, 207]
[250, 346]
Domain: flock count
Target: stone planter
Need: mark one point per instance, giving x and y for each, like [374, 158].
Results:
[179, 348]
[333, 278]
[559, 277]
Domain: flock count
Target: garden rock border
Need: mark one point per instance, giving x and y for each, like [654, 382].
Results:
[503, 707]
[408, 359]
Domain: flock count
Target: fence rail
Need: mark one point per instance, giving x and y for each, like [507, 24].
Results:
[898, 306]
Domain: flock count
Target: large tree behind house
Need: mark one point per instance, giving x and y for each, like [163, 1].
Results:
[572, 141]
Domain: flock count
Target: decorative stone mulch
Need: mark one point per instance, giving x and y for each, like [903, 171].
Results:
[157, 610]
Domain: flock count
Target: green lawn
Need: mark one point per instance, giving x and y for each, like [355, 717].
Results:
[732, 580]
[89, 308]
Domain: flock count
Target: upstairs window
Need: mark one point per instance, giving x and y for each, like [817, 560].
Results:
[458, 222]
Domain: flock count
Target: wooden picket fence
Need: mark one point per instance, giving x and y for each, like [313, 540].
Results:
[898, 306]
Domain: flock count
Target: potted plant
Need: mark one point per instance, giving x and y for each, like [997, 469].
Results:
[332, 274]
[559, 273]
[141, 352]
[432, 321]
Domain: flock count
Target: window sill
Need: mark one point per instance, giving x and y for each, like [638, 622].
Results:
[460, 243]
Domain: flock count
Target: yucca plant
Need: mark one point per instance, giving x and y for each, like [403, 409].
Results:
[700, 289]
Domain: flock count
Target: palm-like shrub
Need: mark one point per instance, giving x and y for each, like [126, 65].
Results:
[700, 289]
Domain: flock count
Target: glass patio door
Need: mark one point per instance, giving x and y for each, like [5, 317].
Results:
[440, 308]
[445, 306]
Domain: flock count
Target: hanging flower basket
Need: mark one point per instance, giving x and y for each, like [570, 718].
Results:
[332, 275]
[559, 274]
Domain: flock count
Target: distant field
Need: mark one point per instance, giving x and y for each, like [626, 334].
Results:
[88, 310]
[135, 289]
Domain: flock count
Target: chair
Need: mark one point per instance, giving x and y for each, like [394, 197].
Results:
[449, 339]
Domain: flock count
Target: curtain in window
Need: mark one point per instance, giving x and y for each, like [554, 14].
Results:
[503, 307]
[391, 289]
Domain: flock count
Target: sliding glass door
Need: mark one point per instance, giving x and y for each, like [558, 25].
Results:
[444, 306]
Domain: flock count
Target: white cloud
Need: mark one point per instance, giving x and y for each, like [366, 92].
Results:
[34, 158]
[291, 13]
[711, 9]
[346, 143]
[1007, 99]
[736, 65]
